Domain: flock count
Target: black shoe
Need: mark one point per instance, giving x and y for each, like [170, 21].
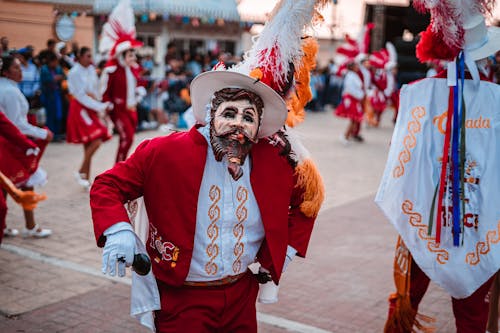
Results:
[358, 138]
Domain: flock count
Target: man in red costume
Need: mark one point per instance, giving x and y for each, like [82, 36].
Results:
[119, 80]
[235, 190]
[226, 198]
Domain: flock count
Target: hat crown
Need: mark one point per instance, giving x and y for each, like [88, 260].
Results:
[475, 32]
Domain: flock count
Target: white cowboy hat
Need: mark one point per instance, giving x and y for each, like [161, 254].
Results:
[206, 84]
[479, 40]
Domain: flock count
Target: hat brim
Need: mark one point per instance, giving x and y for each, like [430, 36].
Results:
[206, 84]
[490, 48]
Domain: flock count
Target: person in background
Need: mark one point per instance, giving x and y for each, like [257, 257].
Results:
[30, 83]
[18, 162]
[65, 61]
[15, 107]
[51, 76]
[4, 46]
[42, 56]
[119, 79]
[351, 104]
[85, 125]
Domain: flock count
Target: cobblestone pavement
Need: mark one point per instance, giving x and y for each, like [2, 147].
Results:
[54, 284]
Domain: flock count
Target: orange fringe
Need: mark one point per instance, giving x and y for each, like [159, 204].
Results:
[402, 317]
[310, 180]
[303, 95]
[405, 319]
[27, 199]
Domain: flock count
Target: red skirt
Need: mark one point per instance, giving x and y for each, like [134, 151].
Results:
[378, 101]
[84, 125]
[350, 107]
[15, 164]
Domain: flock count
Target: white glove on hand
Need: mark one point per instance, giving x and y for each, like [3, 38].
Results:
[119, 249]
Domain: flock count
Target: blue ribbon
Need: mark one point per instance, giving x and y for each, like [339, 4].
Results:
[455, 149]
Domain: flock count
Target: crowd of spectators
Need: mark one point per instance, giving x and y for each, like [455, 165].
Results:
[44, 83]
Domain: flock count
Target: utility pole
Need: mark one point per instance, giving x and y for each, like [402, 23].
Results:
[379, 29]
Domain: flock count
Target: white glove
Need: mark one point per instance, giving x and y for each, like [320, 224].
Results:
[33, 151]
[119, 249]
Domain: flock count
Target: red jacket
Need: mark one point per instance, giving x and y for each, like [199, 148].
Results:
[168, 172]
[13, 146]
[116, 88]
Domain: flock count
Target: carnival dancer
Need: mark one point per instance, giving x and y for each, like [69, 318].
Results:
[15, 107]
[351, 106]
[441, 179]
[228, 191]
[118, 82]
[85, 124]
[19, 161]
[382, 64]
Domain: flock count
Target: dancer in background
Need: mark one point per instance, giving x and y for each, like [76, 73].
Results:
[15, 107]
[118, 81]
[351, 106]
[85, 125]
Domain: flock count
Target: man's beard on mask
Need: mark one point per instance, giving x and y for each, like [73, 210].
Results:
[235, 145]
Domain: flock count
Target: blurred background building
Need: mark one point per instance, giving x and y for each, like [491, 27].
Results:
[199, 26]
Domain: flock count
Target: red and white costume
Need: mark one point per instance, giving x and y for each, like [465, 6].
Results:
[15, 107]
[352, 96]
[18, 160]
[171, 201]
[119, 84]
[84, 119]
[118, 81]
[441, 178]
[172, 204]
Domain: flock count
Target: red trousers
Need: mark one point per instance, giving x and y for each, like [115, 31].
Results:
[224, 309]
[125, 124]
[471, 313]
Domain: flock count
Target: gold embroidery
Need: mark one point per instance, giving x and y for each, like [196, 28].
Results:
[410, 141]
[212, 230]
[239, 228]
[416, 221]
[492, 237]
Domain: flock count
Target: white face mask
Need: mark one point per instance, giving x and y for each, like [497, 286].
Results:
[234, 127]
[237, 117]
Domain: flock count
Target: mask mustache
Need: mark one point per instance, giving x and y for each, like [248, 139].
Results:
[239, 135]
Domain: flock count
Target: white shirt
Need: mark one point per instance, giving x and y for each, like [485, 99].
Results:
[15, 106]
[353, 85]
[229, 215]
[31, 80]
[82, 82]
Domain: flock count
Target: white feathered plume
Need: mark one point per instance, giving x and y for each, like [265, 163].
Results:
[279, 44]
[120, 27]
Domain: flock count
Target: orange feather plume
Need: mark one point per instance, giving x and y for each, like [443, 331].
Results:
[298, 100]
